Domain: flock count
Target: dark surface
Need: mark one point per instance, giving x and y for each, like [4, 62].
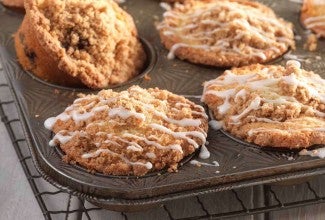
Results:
[239, 165]
[241, 204]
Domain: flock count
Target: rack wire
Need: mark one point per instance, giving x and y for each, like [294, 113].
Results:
[78, 208]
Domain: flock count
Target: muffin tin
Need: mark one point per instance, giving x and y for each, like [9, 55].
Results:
[240, 165]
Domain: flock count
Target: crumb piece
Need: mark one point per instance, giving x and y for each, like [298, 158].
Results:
[81, 95]
[147, 77]
[311, 43]
[65, 159]
[36, 116]
[56, 91]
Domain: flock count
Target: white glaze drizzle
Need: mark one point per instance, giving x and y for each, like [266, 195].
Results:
[199, 163]
[134, 148]
[225, 95]
[154, 143]
[181, 122]
[267, 120]
[124, 113]
[151, 155]
[111, 142]
[64, 137]
[316, 21]
[73, 111]
[204, 152]
[320, 152]
[182, 135]
[227, 79]
[131, 144]
[216, 125]
[241, 94]
[185, 122]
[96, 153]
[165, 6]
[254, 105]
[49, 123]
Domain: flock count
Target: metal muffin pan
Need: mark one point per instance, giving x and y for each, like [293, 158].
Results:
[240, 165]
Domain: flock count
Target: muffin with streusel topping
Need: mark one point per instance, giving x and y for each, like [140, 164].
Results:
[76, 42]
[13, 3]
[269, 105]
[224, 33]
[132, 132]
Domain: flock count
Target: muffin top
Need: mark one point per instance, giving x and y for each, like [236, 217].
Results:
[270, 105]
[224, 32]
[131, 132]
[95, 41]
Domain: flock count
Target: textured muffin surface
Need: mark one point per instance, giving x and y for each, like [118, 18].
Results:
[224, 32]
[271, 105]
[13, 3]
[129, 133]
[313, 16]
[94, 41]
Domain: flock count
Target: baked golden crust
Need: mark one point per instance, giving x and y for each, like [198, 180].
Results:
[312, 16]
[174, 1]
[270, 105]
[225, 32]
[95, 42]
[13, 3]
[129, 133]
[35, 59]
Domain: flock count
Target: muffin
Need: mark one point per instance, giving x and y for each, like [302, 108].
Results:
[225, 32]
[269, 105]
[173, 1]
[74, 42]
[132, 132]
[13, 3]
[312, 16]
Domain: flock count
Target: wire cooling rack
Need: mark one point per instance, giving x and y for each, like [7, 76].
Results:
[55, 203]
